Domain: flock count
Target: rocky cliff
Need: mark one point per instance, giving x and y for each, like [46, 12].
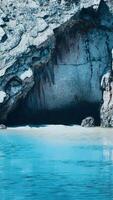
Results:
[106, 111]
[53, 55]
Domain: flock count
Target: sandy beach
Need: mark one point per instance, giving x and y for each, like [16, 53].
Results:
[62, 133]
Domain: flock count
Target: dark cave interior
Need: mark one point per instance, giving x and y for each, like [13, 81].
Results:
[66, 116]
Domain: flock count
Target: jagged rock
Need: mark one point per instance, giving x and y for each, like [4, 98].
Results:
[2, 22]
[106, 112]
[2, 96]
[88, 122]
[52, 48]
[2, 34]
[2, 126]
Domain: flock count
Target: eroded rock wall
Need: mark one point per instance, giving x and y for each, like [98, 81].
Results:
[106, 111]
[53, 54]
[82, 56]
[82, 59]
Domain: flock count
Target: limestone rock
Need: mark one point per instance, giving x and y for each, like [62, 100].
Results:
[88, 122]
[49, 48]
[2, 96]
[106, 112]
[2, 126]
[2, 34]
[2, 22]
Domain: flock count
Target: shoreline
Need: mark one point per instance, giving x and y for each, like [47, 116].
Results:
[57, 129]
[51, 127]
[61, 134]
[45, 126]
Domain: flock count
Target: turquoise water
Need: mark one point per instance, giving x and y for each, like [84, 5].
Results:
[72, 166]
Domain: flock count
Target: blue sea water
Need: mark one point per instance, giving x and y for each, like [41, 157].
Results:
[73, 166]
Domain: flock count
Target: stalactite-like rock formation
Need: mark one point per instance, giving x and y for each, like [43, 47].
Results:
[53, 55]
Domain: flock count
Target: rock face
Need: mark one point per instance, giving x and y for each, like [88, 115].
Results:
[106, 112]
[53, 53]
[88, 122]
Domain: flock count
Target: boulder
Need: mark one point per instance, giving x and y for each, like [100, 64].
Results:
[2, 126]
[88, 122]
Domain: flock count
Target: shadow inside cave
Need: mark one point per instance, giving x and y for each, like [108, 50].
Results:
[66, 116]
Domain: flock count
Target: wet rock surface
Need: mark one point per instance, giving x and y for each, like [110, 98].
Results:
[88, 122]
[53, 53]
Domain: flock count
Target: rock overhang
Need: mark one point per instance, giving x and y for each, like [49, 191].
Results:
[31, 35]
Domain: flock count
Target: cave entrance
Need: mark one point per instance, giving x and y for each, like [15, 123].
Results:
[66, 116]
[70, 91]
